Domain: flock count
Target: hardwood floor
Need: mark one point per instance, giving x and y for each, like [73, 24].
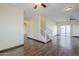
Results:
[59, 46]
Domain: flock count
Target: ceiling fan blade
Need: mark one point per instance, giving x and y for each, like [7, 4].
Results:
[43, 5]
[35, 6]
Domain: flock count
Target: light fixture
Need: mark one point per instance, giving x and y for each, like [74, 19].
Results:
[68, 8]
[36, 5]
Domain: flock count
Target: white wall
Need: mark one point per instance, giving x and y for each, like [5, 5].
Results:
[51, 26]
[11, 26]
[34, 27]
[26, 26]
[75, 28]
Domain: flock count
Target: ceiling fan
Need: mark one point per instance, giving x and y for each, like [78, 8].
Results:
[73, 18]
[40, 4]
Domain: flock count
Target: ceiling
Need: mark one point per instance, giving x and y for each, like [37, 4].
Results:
[53, 11]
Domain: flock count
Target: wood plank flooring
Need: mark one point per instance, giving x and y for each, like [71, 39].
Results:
[59, 46]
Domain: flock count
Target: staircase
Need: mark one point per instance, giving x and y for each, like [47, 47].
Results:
[45, 36]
